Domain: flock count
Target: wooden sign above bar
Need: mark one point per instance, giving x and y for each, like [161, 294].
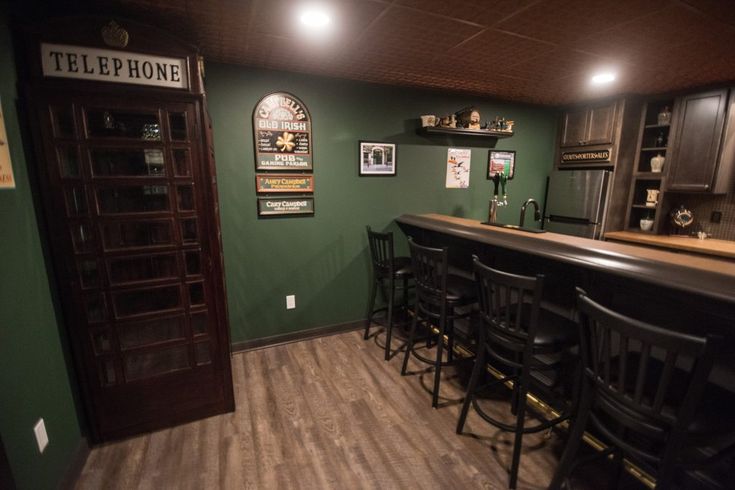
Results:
[281, 206]
[107, 65]
[586, 156]
[265, 183]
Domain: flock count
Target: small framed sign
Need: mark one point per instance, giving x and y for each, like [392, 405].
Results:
[501, 162]
[284, 206]
[377, 158]
[265, 183]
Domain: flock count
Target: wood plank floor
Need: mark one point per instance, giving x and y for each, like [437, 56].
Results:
[326, 413]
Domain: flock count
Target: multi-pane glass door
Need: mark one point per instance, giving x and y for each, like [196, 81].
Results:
[131, 229]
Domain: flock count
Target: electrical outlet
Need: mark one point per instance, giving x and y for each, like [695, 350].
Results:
[41, 437]
[290, 301]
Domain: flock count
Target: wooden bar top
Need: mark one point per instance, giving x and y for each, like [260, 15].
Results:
[709, 246]
[690, 273]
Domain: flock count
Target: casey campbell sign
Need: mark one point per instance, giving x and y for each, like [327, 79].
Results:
[276, 206]
[107, 65]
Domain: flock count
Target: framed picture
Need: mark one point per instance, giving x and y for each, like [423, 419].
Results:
[377, 158]
[501, 162]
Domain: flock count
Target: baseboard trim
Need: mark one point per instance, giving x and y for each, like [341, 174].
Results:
[74, 470]
[287, 338]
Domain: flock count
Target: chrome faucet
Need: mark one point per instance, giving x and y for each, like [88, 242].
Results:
[536, 213]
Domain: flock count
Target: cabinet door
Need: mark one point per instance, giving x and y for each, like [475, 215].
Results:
[601, 125]
[697, 141]
[574, 127]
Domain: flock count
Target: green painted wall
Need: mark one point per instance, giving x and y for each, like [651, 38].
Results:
[34, 381]
[323, 260]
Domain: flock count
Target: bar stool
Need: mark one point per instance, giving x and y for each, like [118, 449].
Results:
[515, 332]
[438, 295]
[645, 392]
[390, 269]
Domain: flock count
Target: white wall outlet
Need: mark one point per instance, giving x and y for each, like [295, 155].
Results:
[41, 437]
[290, 301]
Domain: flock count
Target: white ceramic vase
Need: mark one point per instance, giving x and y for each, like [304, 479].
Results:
[657, 163]
[646, 224]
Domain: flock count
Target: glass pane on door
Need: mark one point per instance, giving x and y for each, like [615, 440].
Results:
[119, 235]
[145, 268]
[112, 162]
[114, 123]
[145, 301]
[137, 334]
[157, 362]
[133, 199]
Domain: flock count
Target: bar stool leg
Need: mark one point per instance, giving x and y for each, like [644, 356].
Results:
[450, 340]
[474, 378]
[573, 442]
[371, 307]
[411, 335]
[389, 326]
[518, 442]
[438, 363]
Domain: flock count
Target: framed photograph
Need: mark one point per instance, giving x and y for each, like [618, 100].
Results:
[501, 162]
[377, 158]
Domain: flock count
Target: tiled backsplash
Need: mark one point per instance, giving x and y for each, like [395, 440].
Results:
[702, 207]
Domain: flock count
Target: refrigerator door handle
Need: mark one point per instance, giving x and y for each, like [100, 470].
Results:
[567, 219]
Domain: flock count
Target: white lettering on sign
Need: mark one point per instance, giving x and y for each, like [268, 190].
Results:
[106, 65]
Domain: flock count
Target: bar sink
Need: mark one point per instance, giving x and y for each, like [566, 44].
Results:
[514, 227]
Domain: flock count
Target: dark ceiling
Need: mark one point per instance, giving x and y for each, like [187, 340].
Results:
[538, 51]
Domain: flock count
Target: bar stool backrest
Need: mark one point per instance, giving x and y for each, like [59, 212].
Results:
[629, 366]
[381, 252]
[430, 268]
[509, 307]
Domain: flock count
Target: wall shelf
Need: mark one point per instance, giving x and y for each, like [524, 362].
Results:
[487, 133]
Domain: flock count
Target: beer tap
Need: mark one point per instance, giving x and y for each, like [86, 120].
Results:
[499, 179]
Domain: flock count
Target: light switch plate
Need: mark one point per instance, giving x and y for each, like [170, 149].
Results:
[290, 302]
[41, 437]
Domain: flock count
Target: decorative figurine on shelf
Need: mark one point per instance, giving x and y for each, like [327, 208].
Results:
[469, 118]
[500, 124]
[681, 218]
[657, 163]
[448, 121]
[660, 140]
[428, 121]
[664, 117]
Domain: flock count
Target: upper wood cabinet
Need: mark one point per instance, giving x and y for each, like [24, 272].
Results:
[591, 125]
[695, 156]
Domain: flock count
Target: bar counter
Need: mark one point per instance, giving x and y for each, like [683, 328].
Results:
[683, 292]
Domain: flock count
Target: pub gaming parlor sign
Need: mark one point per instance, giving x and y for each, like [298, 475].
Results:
[282, 131]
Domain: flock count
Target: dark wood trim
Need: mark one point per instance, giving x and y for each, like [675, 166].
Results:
[76, 465]
[287, 338]
[6, 473]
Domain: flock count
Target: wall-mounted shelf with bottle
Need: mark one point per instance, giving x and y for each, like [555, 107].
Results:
[649, 171]
[466, 132]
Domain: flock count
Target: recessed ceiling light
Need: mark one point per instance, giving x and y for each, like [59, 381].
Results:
[603, 78]
[316, 17]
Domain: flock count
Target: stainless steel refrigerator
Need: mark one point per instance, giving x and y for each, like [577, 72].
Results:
[576, 202]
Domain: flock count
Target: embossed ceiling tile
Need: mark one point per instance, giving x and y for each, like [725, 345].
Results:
[412, 33]
[350, 18]
[563, 21]
[720, 10]
[495, 51]
[561, 62]
[483, 12]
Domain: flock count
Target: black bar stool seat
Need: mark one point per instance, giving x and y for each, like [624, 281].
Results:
[391, 275]
[460, 291]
